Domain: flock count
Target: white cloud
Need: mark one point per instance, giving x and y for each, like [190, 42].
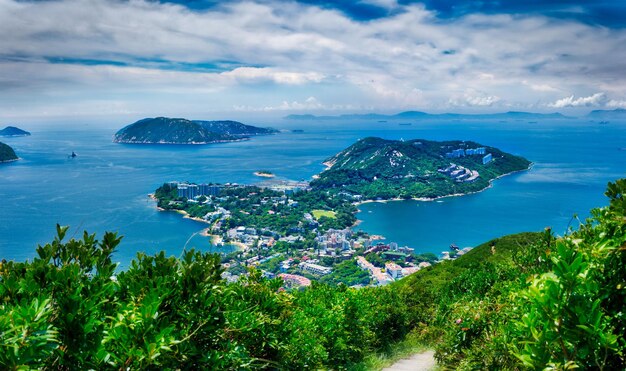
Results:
[278, 51]
[309, 104]
[252, 74]
[616, 103]
[473, 98]
[597, 99]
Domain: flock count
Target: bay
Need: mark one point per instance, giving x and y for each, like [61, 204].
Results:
[105, 188]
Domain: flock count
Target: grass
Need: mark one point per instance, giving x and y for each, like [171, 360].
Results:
[320, 213]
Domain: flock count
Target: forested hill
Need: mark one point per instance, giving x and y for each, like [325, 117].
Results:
[7, 153]
[380, 168]
[164, 130]
[12, 131]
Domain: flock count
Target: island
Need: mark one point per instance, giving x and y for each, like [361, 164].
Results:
[164, 130]
[306, 231]
[12, 131]
[418, 115]
[7, 154]
[264, 174]
[376, 168]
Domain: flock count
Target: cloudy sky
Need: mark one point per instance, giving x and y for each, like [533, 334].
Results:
[203, 59]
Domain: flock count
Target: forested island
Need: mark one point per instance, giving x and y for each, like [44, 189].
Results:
[376, 168]
[12, 131]
[7, 154]
[164, 130]
[525, 301]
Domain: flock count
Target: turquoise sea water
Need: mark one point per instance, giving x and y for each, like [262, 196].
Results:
[105, 188]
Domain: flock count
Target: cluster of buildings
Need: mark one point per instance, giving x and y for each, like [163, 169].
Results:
[460, 152]
[294, 280]
[459, 173]
[390, 273]
[191, 190]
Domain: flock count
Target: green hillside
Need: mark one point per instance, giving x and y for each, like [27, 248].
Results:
[526, 301]
[164, 130]
[12, 131]
[380, 168]
[7, 153]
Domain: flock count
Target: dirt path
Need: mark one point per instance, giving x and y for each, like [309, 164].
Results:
[418, 362]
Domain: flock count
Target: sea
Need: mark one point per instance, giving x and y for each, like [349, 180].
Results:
[106, 187]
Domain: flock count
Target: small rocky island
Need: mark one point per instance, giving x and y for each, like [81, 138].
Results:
[164, 130]
[377, 168]
[7, 154]
[264, 174]
[12, 131]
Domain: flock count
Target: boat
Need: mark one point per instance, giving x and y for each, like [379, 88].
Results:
[72, 155]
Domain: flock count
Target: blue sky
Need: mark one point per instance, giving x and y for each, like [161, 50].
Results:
[216, 59]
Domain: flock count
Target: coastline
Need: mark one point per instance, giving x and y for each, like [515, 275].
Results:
[429, 199]
[216, 239]
[180, 143]
[7, 161]
[426, 199]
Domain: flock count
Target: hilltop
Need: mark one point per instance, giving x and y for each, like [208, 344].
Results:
[414, 115]
[12, 131]
[380, 168]
[7, 154]
[164, 130]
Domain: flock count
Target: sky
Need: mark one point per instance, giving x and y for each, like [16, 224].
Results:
[205, 59]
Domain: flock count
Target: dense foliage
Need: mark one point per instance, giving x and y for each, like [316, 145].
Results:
[379, 168]
[249, 208]
[67, 310]
[532, 300]
[183, 131]
[7, 153]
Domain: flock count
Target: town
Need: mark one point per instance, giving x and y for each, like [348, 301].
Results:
[288, 230]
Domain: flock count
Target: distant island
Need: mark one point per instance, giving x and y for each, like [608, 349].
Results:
[264, 174]
[164, 130]
[376, 168]
[7, 154]
[418, 115]
[12, 131]
[618, 113]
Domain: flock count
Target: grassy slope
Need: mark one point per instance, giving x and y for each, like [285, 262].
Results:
[437, 276]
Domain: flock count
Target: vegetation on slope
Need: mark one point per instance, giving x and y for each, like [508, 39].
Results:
[379, 168]
[181, 131]
[531, 301]
[12, 131]
[528, 301]
[7, 153]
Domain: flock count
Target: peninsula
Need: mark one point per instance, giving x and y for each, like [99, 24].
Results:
[7, 154]
[164, 130]
[305, 230]
[376, 168]
[12, 131]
